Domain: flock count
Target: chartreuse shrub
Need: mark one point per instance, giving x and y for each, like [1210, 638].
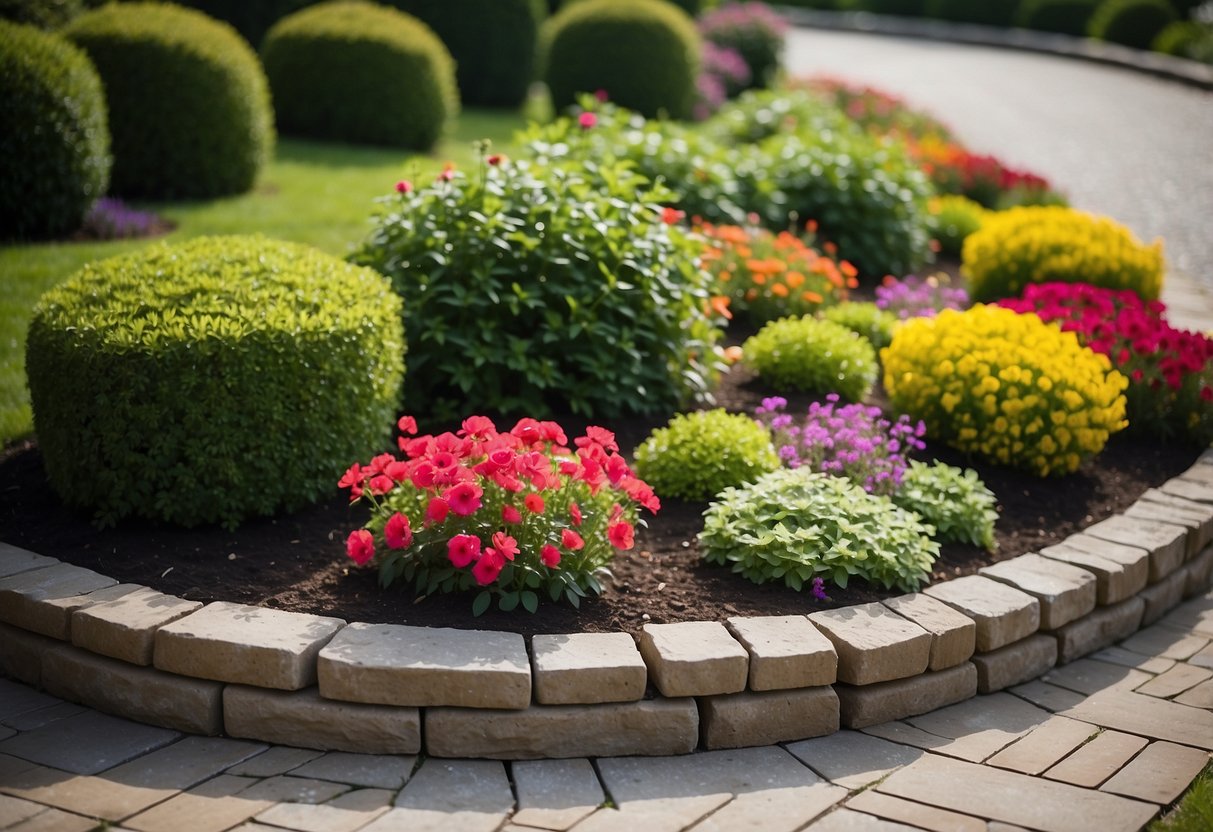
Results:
[1006, 387]
[987, 12]
[1058, 245]
[189, 108]
[955, 502]
[1067, 17]
[813, 356]
[1131, 22]
[955, 218]
[45, 14]
[531, 289]
[795, 525]
[865, 318]
[331, 67]
[1186, 39]
[645, 55]
[698, 455]
[54, 143]
[214, 380]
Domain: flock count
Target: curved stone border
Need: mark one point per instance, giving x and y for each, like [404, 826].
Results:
[1182, 70]
[306, 680]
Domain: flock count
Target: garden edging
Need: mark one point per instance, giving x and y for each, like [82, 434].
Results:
[311, 681]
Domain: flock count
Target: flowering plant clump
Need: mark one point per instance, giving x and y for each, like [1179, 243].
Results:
[767, 276]
[1052, 244]
[699, 454]
[875, 110]
[754, 30]
[956, 503]
[760, 114]
[113, 219]
[728, 67]
[986, 180]
[813, 356]
[517, 513]
[1170, 371]
[852, 441]
[1006, 386]
[866, 319]
[920, 297]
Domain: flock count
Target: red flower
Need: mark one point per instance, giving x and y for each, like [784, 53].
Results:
[505, 545]
[587, 120]
[597, 436]
[398, 532]
[464, 498]
[495, 160]
[478, 426]
[550, 556]
[575, 513]
[462, 549]
[571, 540]
[407, 424]
[511, 515]
[621, 536]
[404, 186]
[534, 503]
[381, 484]
[360, 546]
[437, 510]
[672, 216]
[352, 477]
[488, 567]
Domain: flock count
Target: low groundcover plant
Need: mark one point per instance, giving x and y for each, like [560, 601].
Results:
[518, 513]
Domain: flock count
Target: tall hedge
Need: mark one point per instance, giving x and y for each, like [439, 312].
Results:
[251, 18]
[1066, 17]
[1131, 22]
[45, 14]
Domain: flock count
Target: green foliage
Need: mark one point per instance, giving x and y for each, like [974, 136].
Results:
[1178, 38]
[901, 8]
[1066, 17]
[645, 55]
[986, 12]
[955, 217]
[1131, 22]
[813, 356]
[219, 379]
[251, 18]
[698, 455]
[54, 143]
[795, 524]
[45, 14]
[493, 43]
[864, 318]
[330, 64]
[535, 289]
[760, 114]
[953, 501]
[188, 104]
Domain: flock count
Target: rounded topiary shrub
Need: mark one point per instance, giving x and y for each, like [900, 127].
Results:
[1176, 38]
[214, 380]
[813, 356]
[356, 71]
[45, 14]
[986, 12]
[698, 455]
[645, 55]
[189, 108]
[251, 18]
[54, 143]
[1066, 17]
[493, 43]
[1131, 22]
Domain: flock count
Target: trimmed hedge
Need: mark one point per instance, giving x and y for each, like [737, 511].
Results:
[1066, 17]
[1132, 23]
[189, 107]
[986, 12]
[45, 14]
[646, 55]
[251, 18]
[215, 380]
[54, 143]
[331, 67]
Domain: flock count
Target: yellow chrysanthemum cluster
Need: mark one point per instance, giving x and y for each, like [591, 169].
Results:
[1054, 244]
[1006, 386]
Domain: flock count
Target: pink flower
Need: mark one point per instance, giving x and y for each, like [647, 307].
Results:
[511, 515]
[550, 556]
[398, 532]
[587, 120]
[352, 477]
[448, 172]
[360, 546]
[478, 426]
[381, 484]
[488, 567]
[407, 424]
[601, 95]
[597, 436]
[534, 503]
[437, 510]
[495, 160]
[464, 498]
[404, 186]
[462, 549]
[505, 545]
[575, 513]
[570, 540]
[621, 536]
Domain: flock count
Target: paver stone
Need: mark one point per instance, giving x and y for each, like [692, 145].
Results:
[587, 669]
[1098, 760]
[1166, 544]
[1003, 614]
[1159, 774]
[953, 634]
[555, 794]
[1065, 592]
[874, 643]
[852, 759]
[694, 658]
[786, 651]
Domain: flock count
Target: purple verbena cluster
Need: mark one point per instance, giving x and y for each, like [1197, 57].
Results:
[853, 441]
[920, 297]
[113, 219]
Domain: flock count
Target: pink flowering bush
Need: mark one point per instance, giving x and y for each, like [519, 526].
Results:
[518, 514]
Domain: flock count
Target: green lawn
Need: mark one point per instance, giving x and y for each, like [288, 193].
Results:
[1195, 812]
[320, 194]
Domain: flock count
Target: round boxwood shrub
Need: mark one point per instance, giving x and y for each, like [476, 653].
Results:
[698, 455]
[54, 143]
[45, 14]
[1177, 38]
[1057, 245]
[813, 356]
[1005, 386]
[1066, 17]
[986, 12]
[1131, 22]
[866, 319]
[645, 55]
[329, 66]
[214, 380]
[188, 104]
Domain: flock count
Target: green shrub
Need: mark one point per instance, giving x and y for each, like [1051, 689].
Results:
[645, 55]
[955, 502]
[251, 18]
[795, 524]
[955, 218]
[218, 379]
[54, 143]
[493, 43]
[754, 31]
[1133, 23]
[330, 65]
[865, 319]
[1176, 38]
[1066, 17]
[188, 104]
[813, 356]
[45, 14]
[760, 114]
[901, 8]
[539, 289]
[698, 455]
[986, 12]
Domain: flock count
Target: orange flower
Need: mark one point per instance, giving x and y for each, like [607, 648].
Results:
[794, 280]
[720, 305]
[811, 226]
[830, 248]
[810, 297]
[779, 290]
[751, 294]
[758, 279]
[725, 277]
[732, 354]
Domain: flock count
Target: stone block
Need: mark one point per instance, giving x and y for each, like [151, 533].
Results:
[138, 693]
[852, 759]
[42, 600]
[1003, 614]
[21, 654]
[391, 664]
[1137, 713]
[694, 658]
[786, 651]
[14, 560]
[1115, 580]
[874, 643]
[587, 669]
[741, 720]
[125, 628]
[1016, 663]
[245, 645]
[866, 705]
[1065, 592]
[555, 794]
[1200, 573]
[1099, 629]
[953, 634]
[1097, 760]
[304, 720]
[1189, 488]
[1181, 512]
[1044, 746]
[1167, 544]
[656, 727]
[1162, 597]
[1159, 774]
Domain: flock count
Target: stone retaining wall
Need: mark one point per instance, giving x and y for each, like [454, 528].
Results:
[318, 682]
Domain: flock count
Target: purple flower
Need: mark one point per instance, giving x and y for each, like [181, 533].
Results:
[914, 297]
[819, 590]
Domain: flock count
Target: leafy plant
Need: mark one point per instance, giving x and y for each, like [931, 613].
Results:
[865, 319]
[252, 20]
[920, 297]
[955, 218]
[955, 502]
[1067, 17]
[45, 14]
[754, 30]
[875, 110]
[987, 12]
[813, 356]
[1131, 22]
[760, 114]
[699, 454]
